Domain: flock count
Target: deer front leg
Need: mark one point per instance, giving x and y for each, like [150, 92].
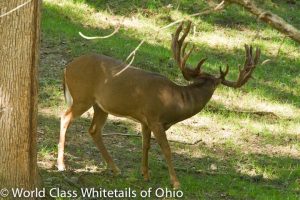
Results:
[146, 146]
[161, 139]
[95, 131]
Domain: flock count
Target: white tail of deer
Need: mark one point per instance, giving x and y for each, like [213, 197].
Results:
[149, 98]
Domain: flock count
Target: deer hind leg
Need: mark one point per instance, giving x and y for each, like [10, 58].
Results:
[161, 139]
[146, 146]
[67, 117]
[95, 131]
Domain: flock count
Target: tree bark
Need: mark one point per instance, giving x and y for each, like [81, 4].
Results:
[19, 49]
[270, 18]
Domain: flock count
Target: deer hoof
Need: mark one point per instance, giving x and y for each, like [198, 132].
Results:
[176, 185]
[146, 177]
[145, 174]
[61, 167]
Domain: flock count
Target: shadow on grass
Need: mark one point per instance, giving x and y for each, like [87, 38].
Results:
[256, 116]
[199, 179]
[153, 58]
[234, 17]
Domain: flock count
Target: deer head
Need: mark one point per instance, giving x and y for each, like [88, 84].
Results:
[196, 74]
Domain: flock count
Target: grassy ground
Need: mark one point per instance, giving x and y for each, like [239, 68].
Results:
[249, 138]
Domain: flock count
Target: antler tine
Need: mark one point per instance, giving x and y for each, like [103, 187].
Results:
[248, 55]
[179, 47]
[199, 65]
[224, 73]
[186, 56]
[257, 55]
[186, 32]
[175, 46]
[178, 30]
[183, 48]
[180, 42]
[181, 56]
[245, 72]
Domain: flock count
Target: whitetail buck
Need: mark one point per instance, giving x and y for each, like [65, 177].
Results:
[149, 98]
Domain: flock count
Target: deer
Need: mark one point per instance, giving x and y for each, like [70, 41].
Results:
[149, 98]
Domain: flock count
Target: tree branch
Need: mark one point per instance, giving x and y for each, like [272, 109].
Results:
[101, 37]
[273, 20]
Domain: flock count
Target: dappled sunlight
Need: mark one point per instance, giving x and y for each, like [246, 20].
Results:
[44, 163]
[245, 133]
[222, 38]
[192, 152]
[295, 129]
[249, 102]
[132, 23]
[276, 50]
[104, 19]
[211, 130]
[255, 172]
[248, 137]
[262, 167]
[291, 151]
[89, 167]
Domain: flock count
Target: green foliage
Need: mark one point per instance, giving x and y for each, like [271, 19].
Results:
[250, 137]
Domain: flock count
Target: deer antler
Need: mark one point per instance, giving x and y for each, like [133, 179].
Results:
[246, 72]
[178, 49]
[180, 56]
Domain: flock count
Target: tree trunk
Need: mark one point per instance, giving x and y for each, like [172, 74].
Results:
[19, 49]
[270, 18]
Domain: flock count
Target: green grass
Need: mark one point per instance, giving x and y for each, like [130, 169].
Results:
[249, 138]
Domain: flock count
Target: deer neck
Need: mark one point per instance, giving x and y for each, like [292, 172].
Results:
[195, 96]
[188, 101]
